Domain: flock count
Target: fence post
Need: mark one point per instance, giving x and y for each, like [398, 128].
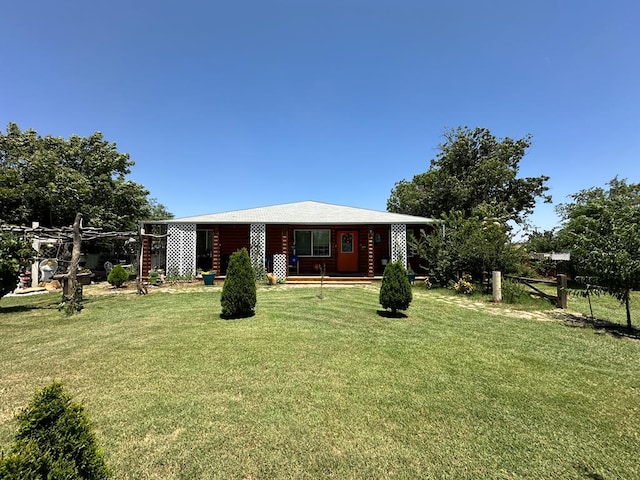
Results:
[562, 291]
[496, 285]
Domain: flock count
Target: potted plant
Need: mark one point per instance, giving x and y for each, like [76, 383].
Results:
[84, 276]
[209, 277]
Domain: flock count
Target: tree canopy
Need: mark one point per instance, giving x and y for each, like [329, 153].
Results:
[601, 226]
[472, 170]
[50, 179]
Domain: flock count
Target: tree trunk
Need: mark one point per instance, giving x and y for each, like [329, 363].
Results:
[626, 304]
[75, 290]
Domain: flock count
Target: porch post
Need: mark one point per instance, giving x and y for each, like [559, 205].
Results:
[258, 245]
[146, 252]
[370, 255]
[216, 264]
[284, 235]
[399, 243]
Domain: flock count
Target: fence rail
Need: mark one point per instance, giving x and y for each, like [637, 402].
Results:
[561, 288]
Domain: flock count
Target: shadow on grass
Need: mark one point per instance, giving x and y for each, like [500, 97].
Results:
[615, 329]
[238, 316]
[20, 308]
[588, 473]
[388, 314]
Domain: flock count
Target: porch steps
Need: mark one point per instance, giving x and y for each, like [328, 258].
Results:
[317, 279]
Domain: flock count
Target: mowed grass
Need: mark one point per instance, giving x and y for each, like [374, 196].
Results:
[311, 388]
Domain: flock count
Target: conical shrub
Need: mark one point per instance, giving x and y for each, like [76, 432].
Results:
[54, 441]
[395, 291]
[238, 298]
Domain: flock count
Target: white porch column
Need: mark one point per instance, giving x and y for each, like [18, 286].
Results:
[258, 243]
[35, 271]
[181, 249]
[399, 243]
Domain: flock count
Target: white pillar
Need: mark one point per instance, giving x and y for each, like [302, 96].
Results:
[34, 266]
[496, 282]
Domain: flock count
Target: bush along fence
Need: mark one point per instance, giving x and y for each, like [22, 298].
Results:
[560, 282]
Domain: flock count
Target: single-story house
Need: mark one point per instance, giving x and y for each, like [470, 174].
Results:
[293, 238]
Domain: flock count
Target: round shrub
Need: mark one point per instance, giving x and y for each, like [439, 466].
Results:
[117, 276]
[238, 298]
[395, 291]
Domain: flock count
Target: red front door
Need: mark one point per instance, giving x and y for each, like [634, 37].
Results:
[347, 260]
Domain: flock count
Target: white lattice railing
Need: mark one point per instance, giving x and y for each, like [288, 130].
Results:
[399, 243]
[181, 249]
[258, 242]
[280, 265]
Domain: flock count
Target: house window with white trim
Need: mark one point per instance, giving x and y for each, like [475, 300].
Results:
[312, 243]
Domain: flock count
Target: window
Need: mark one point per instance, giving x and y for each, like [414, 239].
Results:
[312, 243]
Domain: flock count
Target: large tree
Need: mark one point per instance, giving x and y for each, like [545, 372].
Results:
[472, 169]
[50, 179]
[602, 226]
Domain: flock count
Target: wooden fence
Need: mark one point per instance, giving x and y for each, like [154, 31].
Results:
[561, 288]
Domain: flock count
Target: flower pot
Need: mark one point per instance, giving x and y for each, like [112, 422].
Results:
[84, 278]
[411, 277]
[209, 278]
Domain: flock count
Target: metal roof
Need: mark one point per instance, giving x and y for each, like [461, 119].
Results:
[304, 213]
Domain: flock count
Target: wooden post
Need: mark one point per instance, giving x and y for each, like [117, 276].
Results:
[216, 257]
[562, 291]
[370, 256]
[496, 282]
[75, 252]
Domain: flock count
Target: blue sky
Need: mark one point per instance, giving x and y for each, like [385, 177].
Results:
[229, 105]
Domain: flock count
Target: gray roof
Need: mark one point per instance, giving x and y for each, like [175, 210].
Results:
[307, 213]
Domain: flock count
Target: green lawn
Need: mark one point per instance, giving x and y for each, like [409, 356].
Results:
[311, 388]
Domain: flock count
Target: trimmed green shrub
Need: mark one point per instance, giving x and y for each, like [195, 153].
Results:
[395, 291]
[238, 298]
[54, 441]
[117, 276]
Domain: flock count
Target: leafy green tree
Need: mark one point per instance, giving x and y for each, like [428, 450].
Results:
[15, 256]
[50, 179]
[546, 241]
[238, 297]
[601, 226]
[471, 245]
[54, 441]
[472, 169]
[395, 291]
